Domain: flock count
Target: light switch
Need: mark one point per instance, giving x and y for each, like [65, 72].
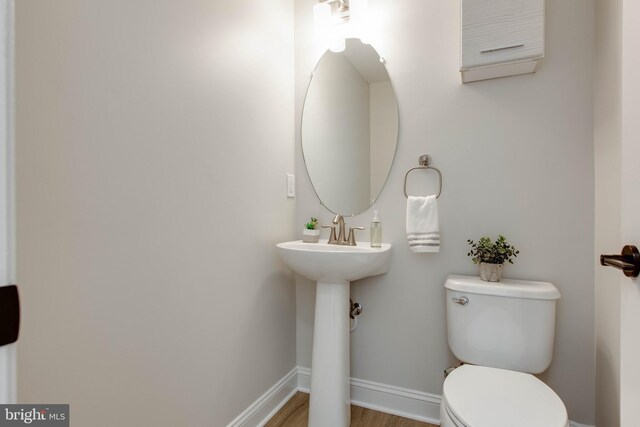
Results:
[291, 186]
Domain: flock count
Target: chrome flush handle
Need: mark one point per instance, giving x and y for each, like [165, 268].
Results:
[461, 300]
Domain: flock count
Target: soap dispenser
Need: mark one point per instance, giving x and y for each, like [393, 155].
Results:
[376, 231]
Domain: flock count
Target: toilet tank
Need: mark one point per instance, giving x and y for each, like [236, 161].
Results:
[509, 324]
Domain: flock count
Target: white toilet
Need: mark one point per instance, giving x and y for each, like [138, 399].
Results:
[503, 332]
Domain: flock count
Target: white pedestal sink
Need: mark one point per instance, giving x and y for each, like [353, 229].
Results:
[333, 267]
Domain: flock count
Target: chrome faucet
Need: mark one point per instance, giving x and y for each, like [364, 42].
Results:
[342, 238]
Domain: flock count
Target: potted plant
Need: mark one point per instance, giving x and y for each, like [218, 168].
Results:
[491, 256]
[309, 233]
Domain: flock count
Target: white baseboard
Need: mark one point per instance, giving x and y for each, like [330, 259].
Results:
[413, 404]
[304, 379]
[407, 403]
[267, 405]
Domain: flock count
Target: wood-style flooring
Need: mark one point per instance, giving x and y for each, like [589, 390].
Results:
[296, 412]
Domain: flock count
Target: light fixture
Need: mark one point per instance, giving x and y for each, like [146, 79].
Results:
[359, 17]
[321, 24]
[337, 37]
[337, 20]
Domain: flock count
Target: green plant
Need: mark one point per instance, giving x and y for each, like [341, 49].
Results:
[311, 225]
[491, 252]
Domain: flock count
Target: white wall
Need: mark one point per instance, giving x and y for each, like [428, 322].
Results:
[153, 141]
[517, 159]
[336, 129]
[608, 158]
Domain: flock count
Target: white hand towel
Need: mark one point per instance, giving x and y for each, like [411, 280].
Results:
[423, 229]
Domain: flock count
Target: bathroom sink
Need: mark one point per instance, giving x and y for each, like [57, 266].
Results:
[335, 263]
[332, 267]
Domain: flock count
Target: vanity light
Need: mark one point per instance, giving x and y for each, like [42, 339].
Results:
[359, 17]
[321, 24]
[337, 20]
[337, 38]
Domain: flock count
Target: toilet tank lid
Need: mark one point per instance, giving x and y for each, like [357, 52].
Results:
[509, 288]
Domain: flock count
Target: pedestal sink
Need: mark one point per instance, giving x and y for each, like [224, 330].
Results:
[333, 267]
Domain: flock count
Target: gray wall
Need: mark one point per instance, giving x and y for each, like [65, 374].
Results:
[517, 158]
[153, 138]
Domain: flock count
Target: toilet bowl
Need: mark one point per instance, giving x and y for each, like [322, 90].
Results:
[503, 332]
[478, 396]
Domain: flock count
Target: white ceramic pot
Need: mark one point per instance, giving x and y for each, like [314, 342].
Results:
[310, 236]
[490, 272]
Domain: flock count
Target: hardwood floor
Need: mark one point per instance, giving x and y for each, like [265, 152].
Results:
[296, 411]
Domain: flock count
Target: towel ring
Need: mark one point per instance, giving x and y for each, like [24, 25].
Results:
[425, 162]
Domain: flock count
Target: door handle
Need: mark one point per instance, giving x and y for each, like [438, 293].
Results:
[628, 261]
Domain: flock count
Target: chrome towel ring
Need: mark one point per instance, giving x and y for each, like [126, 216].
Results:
[425, 162]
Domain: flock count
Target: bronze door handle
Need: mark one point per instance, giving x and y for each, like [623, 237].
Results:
[628, 261]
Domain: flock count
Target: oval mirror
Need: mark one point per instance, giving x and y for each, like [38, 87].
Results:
[349, 128]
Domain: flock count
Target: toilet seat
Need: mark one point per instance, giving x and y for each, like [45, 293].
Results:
[479, 396]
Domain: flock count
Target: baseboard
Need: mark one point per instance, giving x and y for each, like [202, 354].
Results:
[267, 405]
[304, 379]
[407, 403]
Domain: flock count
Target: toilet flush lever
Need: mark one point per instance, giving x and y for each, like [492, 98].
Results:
[461, 300]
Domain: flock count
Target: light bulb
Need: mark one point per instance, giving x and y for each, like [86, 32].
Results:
[321, 23]
[337, 43]
[321, 15]
[359, 17]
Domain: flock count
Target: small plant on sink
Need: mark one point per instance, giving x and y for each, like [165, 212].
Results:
[310, 233]
[491, 256]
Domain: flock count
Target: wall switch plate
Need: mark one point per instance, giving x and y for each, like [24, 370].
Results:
[291, 186]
